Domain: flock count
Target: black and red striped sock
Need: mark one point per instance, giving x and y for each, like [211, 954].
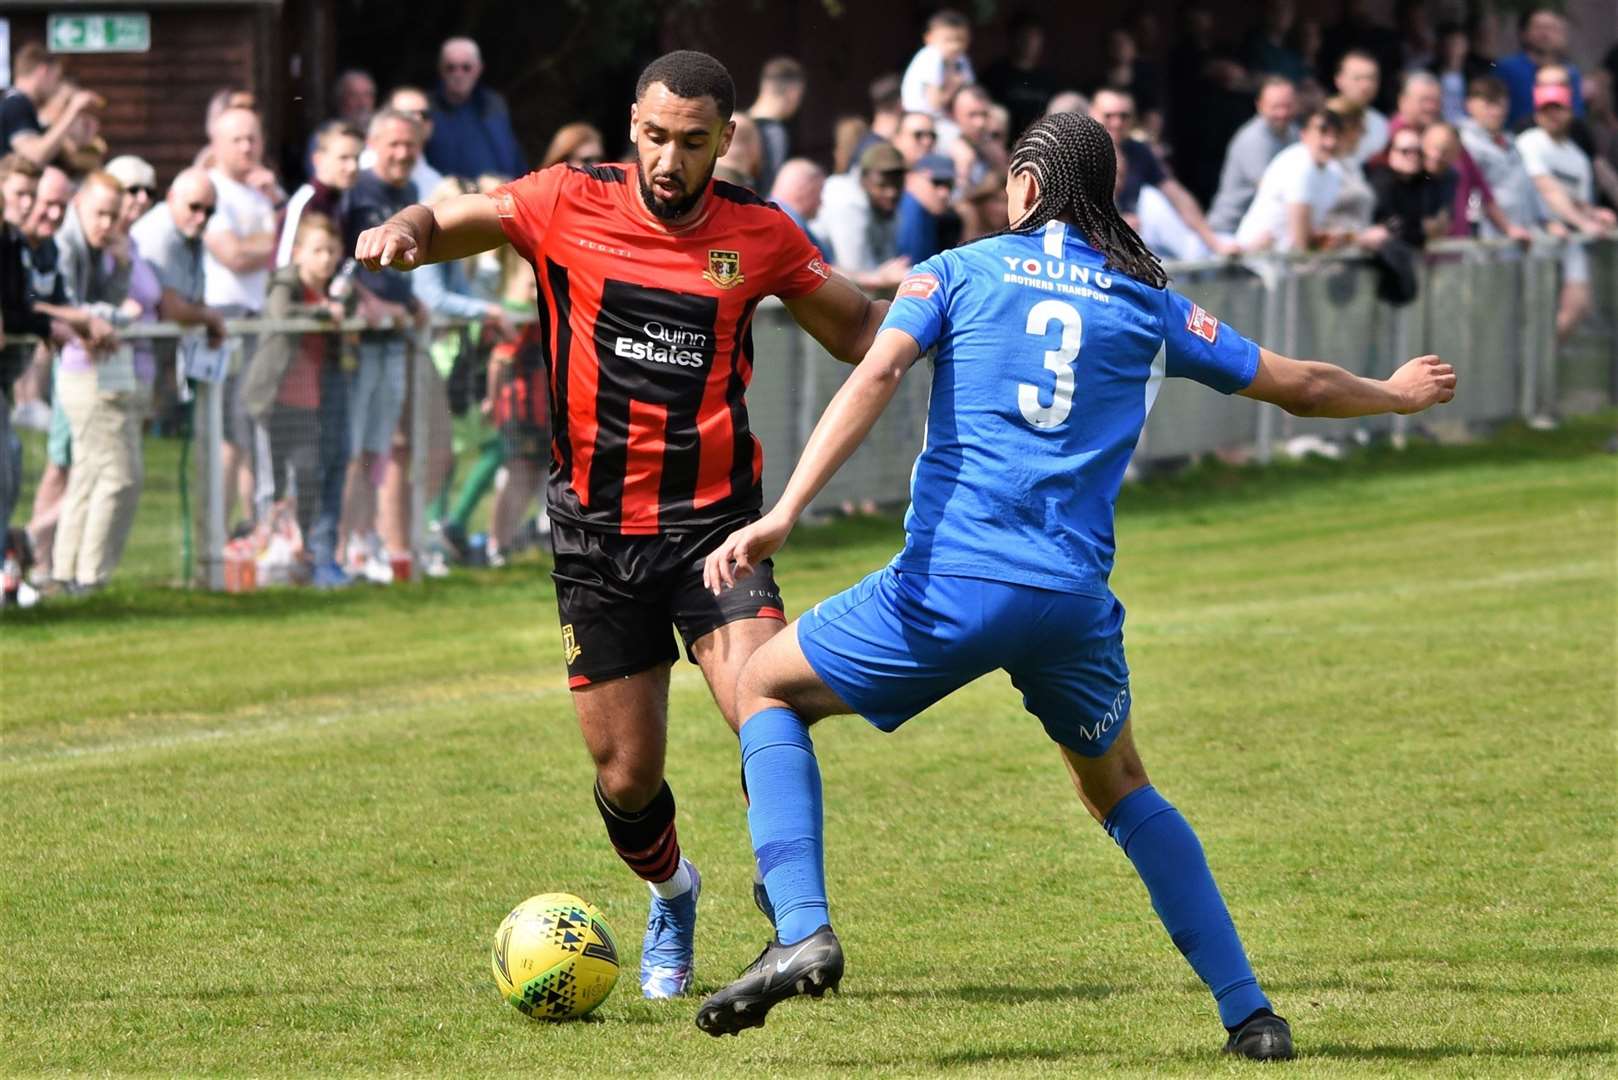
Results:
[645, 839]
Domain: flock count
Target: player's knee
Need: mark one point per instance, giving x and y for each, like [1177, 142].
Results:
[629, 786]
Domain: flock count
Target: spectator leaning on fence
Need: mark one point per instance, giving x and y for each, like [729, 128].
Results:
[240, 249]
[1351, 209]
[444, 290]
[19, 177]
[100, 392]
[1486, 139]
[1565, 182]
[472, 131]
[54, 297]
[1251, 150]
[1114, 109]
[864, 234]
[336, 162]
[284, 388]
[1420, 106]
[169, 236]
[36, 76]
[1297, 191]
[386, 296]
[1411, 203]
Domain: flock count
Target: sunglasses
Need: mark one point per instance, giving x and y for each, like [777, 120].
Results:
[136, 189]
[459, 67]
[205, 209]
[928, 134]
[1414, 148]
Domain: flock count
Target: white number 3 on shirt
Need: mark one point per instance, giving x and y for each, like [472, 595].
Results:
[1058, 360]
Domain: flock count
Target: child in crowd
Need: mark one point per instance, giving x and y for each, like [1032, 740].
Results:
[940, 67]
[283, 389]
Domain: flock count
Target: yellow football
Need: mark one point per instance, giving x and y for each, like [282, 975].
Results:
[554, 957]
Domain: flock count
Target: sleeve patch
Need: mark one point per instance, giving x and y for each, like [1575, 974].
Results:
[817, 267]
[1202, 324]
[920, 286]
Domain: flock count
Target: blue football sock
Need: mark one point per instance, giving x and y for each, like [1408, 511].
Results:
[783, 782]
[1169, 859]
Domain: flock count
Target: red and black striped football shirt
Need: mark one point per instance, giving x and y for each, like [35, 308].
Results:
[648, 338]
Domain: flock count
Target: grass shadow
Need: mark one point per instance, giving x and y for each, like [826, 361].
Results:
[1389, 1052]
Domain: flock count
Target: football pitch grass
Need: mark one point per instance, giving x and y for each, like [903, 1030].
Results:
[274, 834]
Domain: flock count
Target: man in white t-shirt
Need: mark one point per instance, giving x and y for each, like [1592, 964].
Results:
[1565, 180]
[940, 67]
[239, 246]
[1296, 191]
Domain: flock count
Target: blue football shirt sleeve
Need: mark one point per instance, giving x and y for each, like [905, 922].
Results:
[1198, 346]
[920, 304]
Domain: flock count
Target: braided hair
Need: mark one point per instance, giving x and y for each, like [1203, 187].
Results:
[1072, 159]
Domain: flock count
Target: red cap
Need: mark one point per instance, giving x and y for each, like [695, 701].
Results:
[1553, 94]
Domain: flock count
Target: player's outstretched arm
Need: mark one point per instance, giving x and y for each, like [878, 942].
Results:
[1316, 388]
[418, 235]
[841, 317]
[842, 427]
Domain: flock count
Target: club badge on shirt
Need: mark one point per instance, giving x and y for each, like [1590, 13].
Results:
[724, 269]
[920, 286]
[1202, 324]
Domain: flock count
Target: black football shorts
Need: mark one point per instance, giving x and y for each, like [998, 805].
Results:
[618, 596]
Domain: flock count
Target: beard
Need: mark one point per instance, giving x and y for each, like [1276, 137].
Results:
[671, 209]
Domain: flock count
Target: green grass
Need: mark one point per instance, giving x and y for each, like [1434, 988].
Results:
[273, 834]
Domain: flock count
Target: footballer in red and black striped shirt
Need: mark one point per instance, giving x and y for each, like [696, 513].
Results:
[649, 275]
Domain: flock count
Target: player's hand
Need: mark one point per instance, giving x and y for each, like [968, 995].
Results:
[1605, 219]
[1522, 236]
[743, 550]
[1422, 383]
[388, 244]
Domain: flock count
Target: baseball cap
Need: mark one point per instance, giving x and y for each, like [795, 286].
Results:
[1553, 94]
[132, 171]
[936, 166]
[881, 158]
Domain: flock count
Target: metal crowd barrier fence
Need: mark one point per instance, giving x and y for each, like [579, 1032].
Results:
[1489, 307]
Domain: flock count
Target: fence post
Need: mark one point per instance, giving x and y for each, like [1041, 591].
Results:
[1271, 273]
[1528, 358]
[209, 434]
[420, 360]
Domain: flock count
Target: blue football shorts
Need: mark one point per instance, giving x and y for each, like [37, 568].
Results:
[900, 641]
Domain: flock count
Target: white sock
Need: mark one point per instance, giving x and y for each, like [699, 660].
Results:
[677, 885]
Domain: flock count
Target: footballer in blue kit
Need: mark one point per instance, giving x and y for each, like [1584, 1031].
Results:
[1049, 343]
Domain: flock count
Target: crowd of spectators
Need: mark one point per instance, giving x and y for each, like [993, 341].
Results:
[316, 435]
[1299, 137]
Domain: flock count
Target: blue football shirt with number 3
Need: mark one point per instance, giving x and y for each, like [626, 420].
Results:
[1044, 370]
